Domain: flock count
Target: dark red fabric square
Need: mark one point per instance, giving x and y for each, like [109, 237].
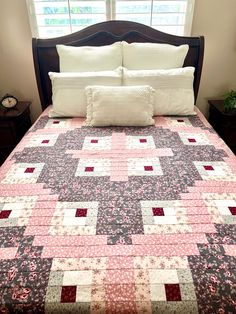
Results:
[232, 210]
[4, 214]
[89, 169]
[173, 292]
[180, 120]
[56, 122]
[142, 140]
[208, 168]
[81, 212]
[148, 168]
[94, 141]
[191, 140]
[29, 170]
[158, 211]
[45, 141]
[68, 294]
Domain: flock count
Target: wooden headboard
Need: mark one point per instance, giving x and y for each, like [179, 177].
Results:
[46, 58]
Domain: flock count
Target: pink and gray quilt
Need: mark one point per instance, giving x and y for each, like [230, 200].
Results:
[118, 220]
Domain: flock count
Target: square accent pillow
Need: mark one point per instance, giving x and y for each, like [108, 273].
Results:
[68, 90]
[152, 56]
[174, 93]
[88, 58]
[119, 105]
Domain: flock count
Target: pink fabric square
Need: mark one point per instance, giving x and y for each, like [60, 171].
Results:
[191, 140]
[120, 292]
[29, 170]
[232, 210]
[94, 141]
[148, 168]
[56, 122]
[142, 140]
[81, 212]
[158, 211]
[68, 294]
[8, 253]
[45, 141]
[4, 214]
[208, 168]
[89, 169]
[172, 292]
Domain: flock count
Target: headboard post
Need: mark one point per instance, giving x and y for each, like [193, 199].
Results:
[46, 58]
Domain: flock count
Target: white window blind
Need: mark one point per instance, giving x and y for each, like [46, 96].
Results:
[51, 18]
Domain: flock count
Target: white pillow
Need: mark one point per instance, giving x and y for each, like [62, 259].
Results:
[151, 56]
[173, 89]
[68, 94]
[88, 58]
[119, 106]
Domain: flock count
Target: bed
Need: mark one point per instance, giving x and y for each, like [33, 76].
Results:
[118, 219]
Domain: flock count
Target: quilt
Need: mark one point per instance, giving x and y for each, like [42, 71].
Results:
[118, 219]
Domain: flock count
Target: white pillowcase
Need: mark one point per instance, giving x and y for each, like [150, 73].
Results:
[119, 106]
[88, 58]
[173, 89]
[151, 56]
[68, 90]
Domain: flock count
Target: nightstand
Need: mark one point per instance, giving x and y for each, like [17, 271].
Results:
[13, 125]
[223, 122]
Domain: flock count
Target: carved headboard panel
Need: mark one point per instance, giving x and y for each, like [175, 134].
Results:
[46, 58]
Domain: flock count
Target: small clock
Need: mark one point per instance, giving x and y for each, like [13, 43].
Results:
[9, 101]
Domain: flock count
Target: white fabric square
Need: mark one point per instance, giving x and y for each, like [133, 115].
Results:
[179, 121]
[69, 208]
[83, 294]
[158, 292]
[150, 56]
[14, 206]
[140, 142]
[159, 212]
[165, 220]
[45, 140]
[15, 213]
[164, 276]
[97, 143]
[194, 139]
[144, 167]
[223, 206]
[173, 89]
[169, 211]
[224, 202]
[23, 173]
[18, 209]
[70, 212]
[93, 167]
[214, 170]
[77, 277]
[89, 58]
[119, 105]
[56, 123]
[74, 221]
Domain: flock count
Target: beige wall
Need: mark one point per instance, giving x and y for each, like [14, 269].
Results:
[16, 63]
[215, 19]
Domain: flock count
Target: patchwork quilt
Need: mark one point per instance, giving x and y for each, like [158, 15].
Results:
[118, 220]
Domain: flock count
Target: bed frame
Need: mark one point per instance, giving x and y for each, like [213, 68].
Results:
[46, 58]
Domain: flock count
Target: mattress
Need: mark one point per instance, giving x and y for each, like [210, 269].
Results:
[118, 220]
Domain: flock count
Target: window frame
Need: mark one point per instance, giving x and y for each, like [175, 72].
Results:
[111, 15]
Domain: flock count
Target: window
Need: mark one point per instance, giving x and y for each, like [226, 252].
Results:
[51, 18]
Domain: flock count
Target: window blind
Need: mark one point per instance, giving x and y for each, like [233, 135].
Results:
[51, 18]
